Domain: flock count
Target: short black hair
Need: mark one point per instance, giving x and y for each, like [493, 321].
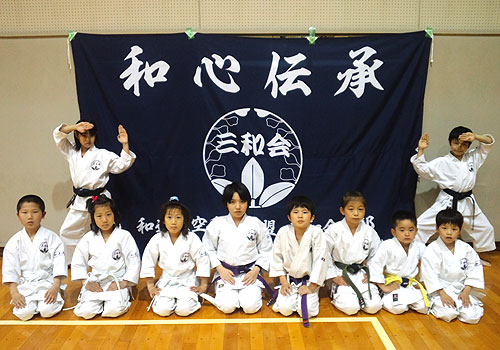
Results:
[300, 202]
[235, 187]
[352, 196]
[401, 215]
[175, 204]
[92, 132]
[101, 199]
[456, 132]
[31, 198]
[449, 216]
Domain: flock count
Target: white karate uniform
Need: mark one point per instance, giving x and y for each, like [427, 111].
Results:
[116, 259]
[452, 271]
[460, 176]
[392, 258]
[32, 265]
[249, 242]
[309, 258]
[177, 261]
[90, 172]
[349, 249]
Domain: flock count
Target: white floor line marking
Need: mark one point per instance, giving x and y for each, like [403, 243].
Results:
[373, 320]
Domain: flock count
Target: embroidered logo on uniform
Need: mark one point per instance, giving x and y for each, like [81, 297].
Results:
[463, 264]
[44, 247]
[203, 253]
[184, 257]
[117, 254]
[395, 297]
[95, 165]
[366, 244]
[251, 235]
[58, 253]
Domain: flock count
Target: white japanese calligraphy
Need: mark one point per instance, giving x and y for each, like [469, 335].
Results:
[289, 77]
[134, 74]
[356, 79]
[234, 66]
[252, 143]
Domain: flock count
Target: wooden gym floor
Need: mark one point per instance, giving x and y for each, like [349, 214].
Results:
[210, 329]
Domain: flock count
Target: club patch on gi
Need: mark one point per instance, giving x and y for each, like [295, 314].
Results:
[184, 257]
[117, 254]
[95, 165]
[44, 247]
[366, 244]
[463, 264]
[251, 235]
[395, 297]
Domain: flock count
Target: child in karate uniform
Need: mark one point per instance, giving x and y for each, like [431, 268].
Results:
[455, 173]
[33, 264]
[300, 261]
[90, 168]
[450, 270]
[352, 244]
[113, 255]
[177, 251]
[239, 247]
[394, 267]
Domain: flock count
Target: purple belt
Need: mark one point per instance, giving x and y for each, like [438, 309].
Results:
[238, 269]
[303, 301]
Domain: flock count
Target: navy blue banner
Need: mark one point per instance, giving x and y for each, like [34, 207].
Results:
[281, 115]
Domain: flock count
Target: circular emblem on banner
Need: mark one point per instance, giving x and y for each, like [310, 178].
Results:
[256, 147]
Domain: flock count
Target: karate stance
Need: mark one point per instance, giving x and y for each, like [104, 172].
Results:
[89, 167]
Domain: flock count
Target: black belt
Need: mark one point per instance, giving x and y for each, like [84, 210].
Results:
[83, 192]
[457, 196]
[352, 269]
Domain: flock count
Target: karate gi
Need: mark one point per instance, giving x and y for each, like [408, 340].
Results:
[247, 243]
[32, 265]
[452, 271]
[89, 172]
[309, 258]
[349, 249]
[460, 176]
[177, 262]
[115, 260]
[392, 258]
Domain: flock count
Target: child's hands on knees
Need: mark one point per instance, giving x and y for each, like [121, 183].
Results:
[446, 299]
[251, 276]
[340, 281]
[18, 300]
[465, 296]
[202, 288]
[51, 294]
[286, 288]
[153, 290]
[311, 288]
[94, 287]
[113, 286]
[225, 274]
[391, 287]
